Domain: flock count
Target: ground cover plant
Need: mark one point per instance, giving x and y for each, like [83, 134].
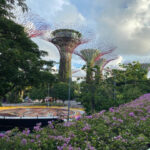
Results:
[123, 128]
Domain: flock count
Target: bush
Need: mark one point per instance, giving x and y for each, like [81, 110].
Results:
[38, 92]
[122, 128]
[60, 91]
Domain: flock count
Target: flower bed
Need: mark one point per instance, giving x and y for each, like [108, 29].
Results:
[124, 128]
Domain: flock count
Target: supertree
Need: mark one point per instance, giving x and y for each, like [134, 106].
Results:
[100, 67]
[33, 24]
[146, 66]
[91, 56]
[66, 40]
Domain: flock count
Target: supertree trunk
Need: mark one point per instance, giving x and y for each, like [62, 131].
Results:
[65, 66]
[98, 75]
[89, 74]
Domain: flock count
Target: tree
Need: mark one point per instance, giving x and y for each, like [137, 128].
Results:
[122, 86]
[60, 91]
[20, 58]
[7, 5]
[40, 91]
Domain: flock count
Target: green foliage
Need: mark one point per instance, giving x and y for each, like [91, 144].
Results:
[38, 93]
[7, 5]
[14, 97]
[60, 91]
[21, 64]
[123, 86]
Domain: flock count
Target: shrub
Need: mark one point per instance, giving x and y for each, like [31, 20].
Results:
[122, 128]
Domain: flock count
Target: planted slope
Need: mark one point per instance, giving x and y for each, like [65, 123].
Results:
[123, 128]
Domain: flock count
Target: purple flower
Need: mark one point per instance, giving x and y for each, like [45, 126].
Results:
[131, 114]
[37, 128]
[67, 140]
[120, 120]
[111, 110]
[50, 124]
[101, 112]
[37, 136]
[59, 147]
[32, 140]
[65, 145]
[89, 117]
[86, 127]
[39, 141]
[26, 132]
[8, 132]
[70, 147]
[2, 135]
[143, 118]
[124, 140]
[72, 135]
[90, 147]
[78, 117]
[114, 118]
[119, 137]
[61, 138]
[24, 141]
[113, 124]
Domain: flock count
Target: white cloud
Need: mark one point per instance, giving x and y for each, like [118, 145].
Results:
[59, 13]
[126, 23]
[53, 53]
[46, 7]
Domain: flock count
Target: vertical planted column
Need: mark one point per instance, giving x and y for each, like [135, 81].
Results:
[64, 66]
[66, 41]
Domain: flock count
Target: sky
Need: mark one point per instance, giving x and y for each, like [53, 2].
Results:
[124, 24]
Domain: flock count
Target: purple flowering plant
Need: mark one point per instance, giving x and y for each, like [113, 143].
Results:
[123, 127]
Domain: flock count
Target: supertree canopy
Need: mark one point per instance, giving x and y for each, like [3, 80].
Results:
[91, 56]
[33, 24]
[66, 40]
[100, 66]
[101, 63]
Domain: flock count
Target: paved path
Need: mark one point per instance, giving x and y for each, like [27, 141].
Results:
[73, 104]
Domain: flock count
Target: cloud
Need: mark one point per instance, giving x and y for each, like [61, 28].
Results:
[53, 53]
[59, 13]
[126, 23]
[46, 8]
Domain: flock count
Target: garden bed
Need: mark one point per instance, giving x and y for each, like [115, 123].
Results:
[126, 127]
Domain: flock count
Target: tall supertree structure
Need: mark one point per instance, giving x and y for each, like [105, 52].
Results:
[100, 66]
[91, 56]
[66, 40]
